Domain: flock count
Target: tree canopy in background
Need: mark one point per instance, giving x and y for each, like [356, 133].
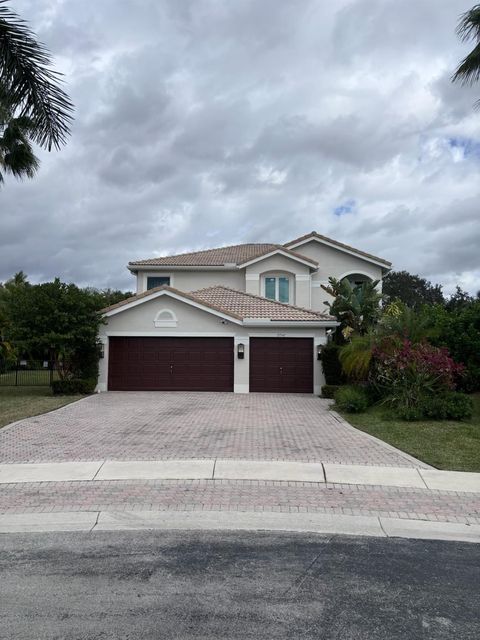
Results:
[55, 321]
[412, 290]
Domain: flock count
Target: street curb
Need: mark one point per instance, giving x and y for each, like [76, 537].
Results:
[240, 469]
[105, 521]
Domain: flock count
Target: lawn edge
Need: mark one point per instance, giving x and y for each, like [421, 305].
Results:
[417, 461]
[44, 413]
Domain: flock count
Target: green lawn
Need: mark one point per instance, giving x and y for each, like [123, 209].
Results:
[22, 402]
[443, 444]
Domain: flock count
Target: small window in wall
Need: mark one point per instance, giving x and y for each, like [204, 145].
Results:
[157, 281]
[277, 288]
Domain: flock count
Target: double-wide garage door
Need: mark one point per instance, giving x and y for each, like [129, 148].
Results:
[283, 365]
[170, 364]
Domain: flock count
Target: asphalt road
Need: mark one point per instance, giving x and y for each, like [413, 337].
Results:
[175, 585]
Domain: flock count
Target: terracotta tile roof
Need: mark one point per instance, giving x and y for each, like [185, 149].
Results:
[314, 234]
[164, 287]
[236, 304]
[247, 305]
[236, 254]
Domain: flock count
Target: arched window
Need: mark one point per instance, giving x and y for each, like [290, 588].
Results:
[165, 318]
[356, 279]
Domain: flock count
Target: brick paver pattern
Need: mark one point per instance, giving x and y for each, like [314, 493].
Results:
[247, 495]
[149, 426]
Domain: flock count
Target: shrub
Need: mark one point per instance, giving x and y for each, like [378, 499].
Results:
[351, 399]
[331, 365]
[399, 362]
[458, 329]
[73, 386]
[409, 375]
[449, 406]
[329, 390]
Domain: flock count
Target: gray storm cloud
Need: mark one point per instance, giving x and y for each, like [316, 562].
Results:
[204, 123]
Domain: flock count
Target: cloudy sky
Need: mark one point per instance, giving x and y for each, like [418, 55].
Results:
[201, 123]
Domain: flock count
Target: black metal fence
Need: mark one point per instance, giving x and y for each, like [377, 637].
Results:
[27, 373]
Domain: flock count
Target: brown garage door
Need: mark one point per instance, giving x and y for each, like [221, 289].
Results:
[281, 365]
[170, 364]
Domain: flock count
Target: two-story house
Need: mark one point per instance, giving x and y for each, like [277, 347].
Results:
[249, 317]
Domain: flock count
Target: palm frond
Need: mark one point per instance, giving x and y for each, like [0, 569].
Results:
[356, 356]
[468, 71]
[32, 86]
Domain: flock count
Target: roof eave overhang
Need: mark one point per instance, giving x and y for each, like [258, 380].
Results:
[134, 268]
[265, 322]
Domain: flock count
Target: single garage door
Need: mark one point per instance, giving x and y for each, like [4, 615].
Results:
[170, 364]
[281, 365]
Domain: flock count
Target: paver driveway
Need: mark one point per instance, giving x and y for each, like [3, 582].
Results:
[161, 425]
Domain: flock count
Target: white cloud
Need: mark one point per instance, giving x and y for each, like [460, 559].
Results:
[203, 122]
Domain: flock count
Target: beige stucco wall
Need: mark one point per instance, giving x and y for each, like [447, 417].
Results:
[190, 321]
[194, 280]
[336, 264]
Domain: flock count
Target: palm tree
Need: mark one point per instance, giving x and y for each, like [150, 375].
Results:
[16, 153]
[468, 71]
[35, 98]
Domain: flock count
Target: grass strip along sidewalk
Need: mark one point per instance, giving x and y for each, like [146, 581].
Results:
[445, 444]
[17, 403]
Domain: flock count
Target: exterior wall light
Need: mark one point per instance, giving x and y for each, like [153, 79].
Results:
[319, 352]
[240, 351]
[101, 350]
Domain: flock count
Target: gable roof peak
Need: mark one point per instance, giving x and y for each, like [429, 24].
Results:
[314, 235]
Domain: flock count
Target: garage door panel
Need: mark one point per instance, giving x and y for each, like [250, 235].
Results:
[282, 365]
[171, 364]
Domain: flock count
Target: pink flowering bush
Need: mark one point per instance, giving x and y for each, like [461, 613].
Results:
[409, 375]
[397, 360]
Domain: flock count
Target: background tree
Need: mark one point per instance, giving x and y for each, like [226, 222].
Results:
[412, 290]
[460, 300]
[468, 71]
[106, 297]
[32, 103]
[58, 321]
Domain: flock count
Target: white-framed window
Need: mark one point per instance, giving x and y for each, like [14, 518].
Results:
[278, 287]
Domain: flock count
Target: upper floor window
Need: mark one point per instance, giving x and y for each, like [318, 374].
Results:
[157, 281]
[277, 288]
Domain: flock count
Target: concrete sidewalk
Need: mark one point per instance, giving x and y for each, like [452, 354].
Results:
[215, 469]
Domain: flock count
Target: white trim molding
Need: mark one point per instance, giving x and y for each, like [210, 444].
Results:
[360, 273]
[302, 277]
[252, 276]
[169, 334]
